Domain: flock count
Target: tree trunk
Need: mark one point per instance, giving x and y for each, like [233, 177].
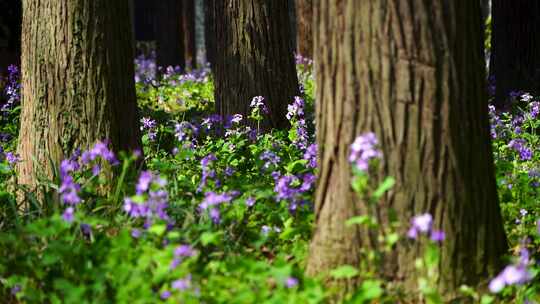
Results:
[255, 58]
[77, 82]
[412, 72]
[188, 23]
[515, 48]
[169, 35]
[209, 32]
[304, 17]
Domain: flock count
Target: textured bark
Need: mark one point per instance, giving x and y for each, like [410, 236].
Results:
[77, 81]
[412, 72]
[170, 46]
[255, 58]
[209, 32]
[304, 17]
[188, 24]
[515, 47]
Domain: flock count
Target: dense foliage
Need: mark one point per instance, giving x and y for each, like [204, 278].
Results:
[218, 212]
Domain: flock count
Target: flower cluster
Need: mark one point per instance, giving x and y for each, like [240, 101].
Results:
[295, 115]
[212, 201]
[207, 171]
[513, 274]
[151, 199]
[423, 224]
[149, 125]
[520, 145]
[10, 157]
[290, 188]
[270, 159]
[258, 107]
[12, 89]
[69, 189]
[311, 155]
[145, 68]
[363, 150]
[186, 133]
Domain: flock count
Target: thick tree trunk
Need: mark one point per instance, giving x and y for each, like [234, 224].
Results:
[255, 58]
[170, 46]
[411, 71]
[515, 48]
[77, 82]
[304, 17]
[188, 24]
[209, 32]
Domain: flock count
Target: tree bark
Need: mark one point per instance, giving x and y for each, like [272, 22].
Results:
[188, 24]
[170, 46]
[209, 32]
[77, 82]
[412, 72]
[515, 48]
[304, 17]
[255, 58]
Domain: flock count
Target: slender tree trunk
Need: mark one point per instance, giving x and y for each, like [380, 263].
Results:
[77, 82]
[412, 72]
[188, 23]
[255, 58]
[304, 17]
[209, 32]
[170, 46]
[515, 48]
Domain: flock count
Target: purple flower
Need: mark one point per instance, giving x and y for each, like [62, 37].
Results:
[421, 223]
[15, 289]
[520, 145]
[438, 236]
[213, 199]
[363, 151]
[270, 159]
[257, 103]
[237, 118]
[265, 229]
[136, 233]
[229, 171]
[526, 97]
[86, 229]
[512, 274]
[155, 198]
[12, 158]
[68, 215]
[291, 282]
[148, 123]
[182, 284]
[215, 215]
[250, 201]
[69, 191]
[311, 155]
[145, 178]
[165, 295]
[296, 109]
[183, 251]
[535, 109]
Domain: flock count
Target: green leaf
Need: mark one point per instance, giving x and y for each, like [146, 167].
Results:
[157, 229]
[358, 220]
[371, 290]
[487, 299]
[210, 238]
[386, 185]
[344, 272]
